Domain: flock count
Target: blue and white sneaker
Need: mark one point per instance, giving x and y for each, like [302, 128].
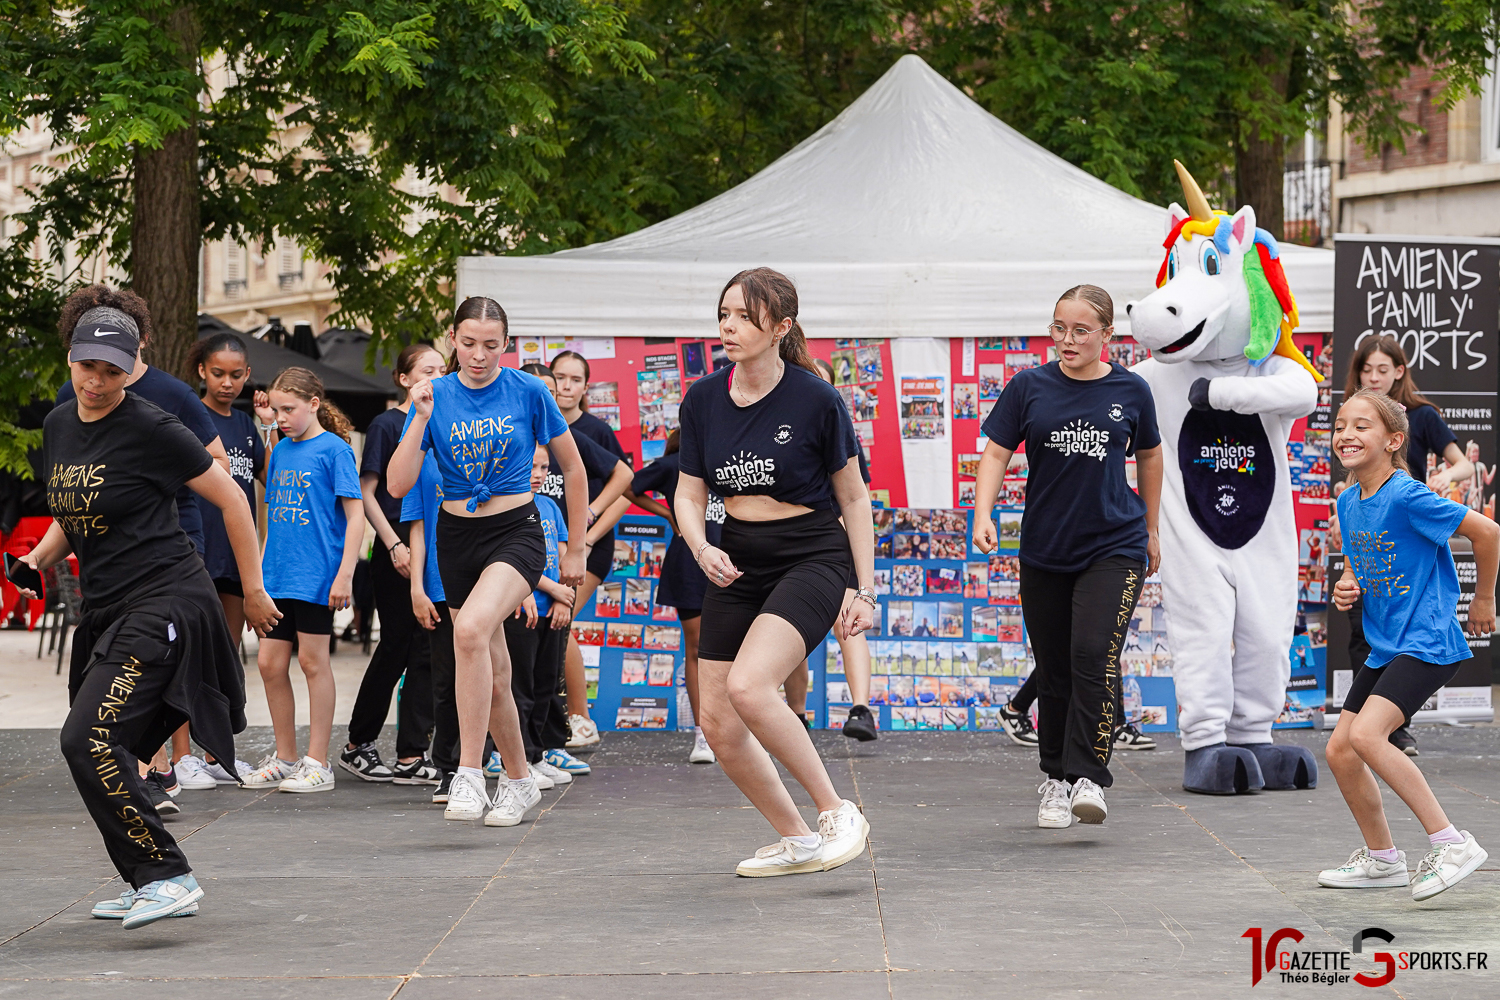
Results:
[162, 898]
[115, 909]
[493, 767]
[564, 761]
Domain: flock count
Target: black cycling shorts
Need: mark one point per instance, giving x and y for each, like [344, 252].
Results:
[467, 545]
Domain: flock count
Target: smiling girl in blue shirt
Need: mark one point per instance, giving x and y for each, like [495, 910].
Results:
[483, 423]
[1395, 534]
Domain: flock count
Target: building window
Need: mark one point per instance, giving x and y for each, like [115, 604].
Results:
[1489, 111]
[235, 284]
[288, 263]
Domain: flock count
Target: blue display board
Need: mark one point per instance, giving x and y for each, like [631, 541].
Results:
[948, 649]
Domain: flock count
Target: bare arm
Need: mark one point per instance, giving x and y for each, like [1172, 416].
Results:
[1484, 535]
[603, 505]
[1459, 468]
[992, 466]
[576, 487]
[51, 550]
[1148, 468]
[406, 461]
[651, 505]
[342, 591]
[691, 506]
[421, 605]
[400, 553]
[607, 520]
[216, 451]
[218, 487]
[854, 503]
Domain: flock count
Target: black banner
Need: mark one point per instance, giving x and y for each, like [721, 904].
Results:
[1440, 299]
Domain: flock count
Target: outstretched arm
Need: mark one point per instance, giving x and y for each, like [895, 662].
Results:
[1283, 388]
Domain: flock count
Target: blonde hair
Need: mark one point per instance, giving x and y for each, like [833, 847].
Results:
[305, 385]
[1393, 415]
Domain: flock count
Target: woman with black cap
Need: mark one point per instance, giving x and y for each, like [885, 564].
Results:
[152, 649]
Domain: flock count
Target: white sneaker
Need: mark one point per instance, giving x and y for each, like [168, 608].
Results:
[192, 774]
[555, 774]
[585, 732]
[270, 772]
[217, 772]
[1055, 812]
[783, 858]
[543, 782]
[702, 752]
[1088, 802]
[466, 797]
[311, 776]
[512, 799]
[1446, 865]
[1364, 872]
[844, 831]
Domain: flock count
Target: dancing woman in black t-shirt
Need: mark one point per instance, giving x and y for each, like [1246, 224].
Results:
[775, 441]
[152, 650]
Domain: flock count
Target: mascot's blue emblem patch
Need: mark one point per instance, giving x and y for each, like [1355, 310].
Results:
[1228, 474]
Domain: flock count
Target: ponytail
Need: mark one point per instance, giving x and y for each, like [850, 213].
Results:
[479, 307]
[206, 348]
[772, 294]
[303, 384]
[583, 401]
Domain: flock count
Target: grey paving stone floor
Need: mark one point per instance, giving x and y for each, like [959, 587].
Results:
[622, 885]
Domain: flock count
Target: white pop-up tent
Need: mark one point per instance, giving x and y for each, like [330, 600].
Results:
[914, 213]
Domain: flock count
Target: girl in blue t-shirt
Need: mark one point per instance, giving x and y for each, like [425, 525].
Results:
[483, 423]
[1379, 364]
[1087, 544]
[1395, 532]
[314, 526]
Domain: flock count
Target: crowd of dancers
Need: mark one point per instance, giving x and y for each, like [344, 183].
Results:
[493, 496]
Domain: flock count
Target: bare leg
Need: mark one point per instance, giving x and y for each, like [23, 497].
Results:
[505, 719]
[856, 653]
[1369, 735]
[743, 719]
[573, 679]
[690, 628]
[275, 662]
[313, 658]
[796, 685]
[477, 628]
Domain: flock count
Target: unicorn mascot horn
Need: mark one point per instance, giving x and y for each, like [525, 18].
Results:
[1228, 383]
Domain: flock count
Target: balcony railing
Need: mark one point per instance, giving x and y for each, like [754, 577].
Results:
[1307, 201]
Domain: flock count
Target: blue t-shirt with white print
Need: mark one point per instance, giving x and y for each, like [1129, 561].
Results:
[484, 439]
[304, 517]
[554, 529]
[1396, 543]
[422, 503]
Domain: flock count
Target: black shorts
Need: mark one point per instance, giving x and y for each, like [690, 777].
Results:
[1406, 682]
[601, 557]
[301, 616]
[467, 545]
[794, 568]
[228, 585]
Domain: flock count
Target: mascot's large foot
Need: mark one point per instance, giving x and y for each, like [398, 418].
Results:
[1220, 769]
[1284, 767]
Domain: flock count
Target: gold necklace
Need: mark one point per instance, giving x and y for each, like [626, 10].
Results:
[780, 371]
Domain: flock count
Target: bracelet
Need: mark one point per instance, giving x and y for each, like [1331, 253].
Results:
[267, 428]
[592, 516]
[698, 558]
[867, 595]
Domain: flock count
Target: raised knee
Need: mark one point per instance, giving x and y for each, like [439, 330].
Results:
[742, 692]
[1366, 738]
[1338, 752]
[75, 741]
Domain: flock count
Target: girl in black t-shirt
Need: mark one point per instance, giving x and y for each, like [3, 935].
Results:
[1379, 364]
[1087, 544]
[776, 442]
[151, 650]
[402, 650]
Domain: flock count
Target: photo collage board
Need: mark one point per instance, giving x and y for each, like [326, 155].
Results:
[973, 644]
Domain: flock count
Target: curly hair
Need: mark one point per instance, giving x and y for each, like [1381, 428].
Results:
[89, 296]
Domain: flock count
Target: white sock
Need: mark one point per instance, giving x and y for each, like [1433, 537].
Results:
[472, 772]
[517, 781]
[806, 843]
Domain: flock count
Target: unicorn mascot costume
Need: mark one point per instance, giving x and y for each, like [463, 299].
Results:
[1228, 383]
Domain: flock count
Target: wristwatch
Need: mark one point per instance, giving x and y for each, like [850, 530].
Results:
[867, 595]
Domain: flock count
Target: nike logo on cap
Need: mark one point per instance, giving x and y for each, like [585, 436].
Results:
[106, 333]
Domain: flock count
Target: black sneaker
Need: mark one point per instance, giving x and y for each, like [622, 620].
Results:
[365, 763]
[156, 790]
[169, 782]
[1128, 737]
[1402, 739]
[419, 772]
[1017, 726]
[861, 724]
[440, 793]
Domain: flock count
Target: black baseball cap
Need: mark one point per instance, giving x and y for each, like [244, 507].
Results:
[105, 334]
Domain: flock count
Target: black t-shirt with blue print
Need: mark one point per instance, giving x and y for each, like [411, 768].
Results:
[1079, 507]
